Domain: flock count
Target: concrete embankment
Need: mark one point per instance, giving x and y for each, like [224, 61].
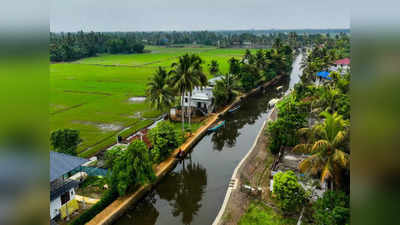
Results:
[119, 206]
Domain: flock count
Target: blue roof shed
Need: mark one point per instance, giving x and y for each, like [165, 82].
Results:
[324, 74]
[61, 164]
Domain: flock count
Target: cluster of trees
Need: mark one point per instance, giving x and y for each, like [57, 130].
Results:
[314, 119]
[253, 69]
[73, 46]
[65, 140]
[180, 80]
[133, 166]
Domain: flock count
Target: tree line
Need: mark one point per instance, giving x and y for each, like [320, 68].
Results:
[74, 46]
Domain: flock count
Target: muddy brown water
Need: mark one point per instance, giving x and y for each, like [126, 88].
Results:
[193, 192]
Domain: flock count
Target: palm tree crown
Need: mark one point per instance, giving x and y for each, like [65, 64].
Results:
[159, 94]
[186, 75]
[326, 141]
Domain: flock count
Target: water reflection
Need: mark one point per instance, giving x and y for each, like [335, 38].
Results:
[249, 113]
[183, 191]
[149, 214]
[190, 184]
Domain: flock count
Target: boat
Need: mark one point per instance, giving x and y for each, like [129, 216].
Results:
[234, 109]
[216, 127]
[279, 88]
[272, 102]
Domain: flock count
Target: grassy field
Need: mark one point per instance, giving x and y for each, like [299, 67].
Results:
[93, 95]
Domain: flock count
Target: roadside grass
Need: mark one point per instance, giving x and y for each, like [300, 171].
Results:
[259, 214]
[111, 140]
[92, 187]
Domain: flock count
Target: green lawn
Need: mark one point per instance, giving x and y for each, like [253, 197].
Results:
[94, 99]
[259, 214]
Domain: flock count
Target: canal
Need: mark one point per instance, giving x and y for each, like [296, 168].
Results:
[192, 193]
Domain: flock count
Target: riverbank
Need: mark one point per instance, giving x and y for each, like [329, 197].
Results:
[252, 171]
[119, 206]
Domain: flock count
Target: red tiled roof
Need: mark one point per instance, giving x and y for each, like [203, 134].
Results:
[145, 138]
[345, 61]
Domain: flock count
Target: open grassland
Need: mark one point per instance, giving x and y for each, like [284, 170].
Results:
[93, 95]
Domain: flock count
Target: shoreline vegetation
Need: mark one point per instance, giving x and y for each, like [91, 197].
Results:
[322, 131]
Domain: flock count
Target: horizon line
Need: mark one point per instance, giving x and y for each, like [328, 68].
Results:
[212, 30]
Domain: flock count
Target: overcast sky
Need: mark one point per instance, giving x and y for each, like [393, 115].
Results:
[150, 15]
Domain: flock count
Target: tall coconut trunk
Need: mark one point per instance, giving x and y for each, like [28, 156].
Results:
[182, 113]
[190, 109]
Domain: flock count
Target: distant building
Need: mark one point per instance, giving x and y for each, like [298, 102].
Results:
[247, 43]
[341, 65]
[62, 188]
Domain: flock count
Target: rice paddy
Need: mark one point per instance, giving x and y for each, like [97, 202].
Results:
[98, 95]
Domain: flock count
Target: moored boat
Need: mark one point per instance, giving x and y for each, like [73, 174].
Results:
[216, 127]
[234, 109]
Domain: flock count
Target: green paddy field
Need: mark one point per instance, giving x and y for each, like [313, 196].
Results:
[94, 95]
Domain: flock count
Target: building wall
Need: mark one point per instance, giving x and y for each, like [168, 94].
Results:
[55, 204]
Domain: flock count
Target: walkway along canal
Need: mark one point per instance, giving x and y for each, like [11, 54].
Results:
[192, 193]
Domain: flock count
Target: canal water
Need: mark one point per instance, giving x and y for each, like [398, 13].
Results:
[194, 191]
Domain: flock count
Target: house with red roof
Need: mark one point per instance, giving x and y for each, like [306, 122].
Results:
[341, 65]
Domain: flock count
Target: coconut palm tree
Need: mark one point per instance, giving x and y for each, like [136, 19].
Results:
[185, 75]
[326, 143]
[158, 93]
[213, 67]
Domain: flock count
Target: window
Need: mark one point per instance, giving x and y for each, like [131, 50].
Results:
[64, 198]
[186, 100]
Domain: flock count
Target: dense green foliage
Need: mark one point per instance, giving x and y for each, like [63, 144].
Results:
[288, 191]
[73, 46]
[213, 67]
[332, 208]
[164, 139]
[291, 117]
[112, 154]
[65, 140]
[223, 90]
[133, 167]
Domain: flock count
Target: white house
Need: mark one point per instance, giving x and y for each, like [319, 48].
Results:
[202, 98]
[62, 188]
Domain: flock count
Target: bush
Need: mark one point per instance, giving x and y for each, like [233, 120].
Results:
[288, 191]
[332, 208]
[164, 139]
[291, 117]
[108, 197]
[259, 214]
[65, 140]
[112, 154]
[132, 167]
